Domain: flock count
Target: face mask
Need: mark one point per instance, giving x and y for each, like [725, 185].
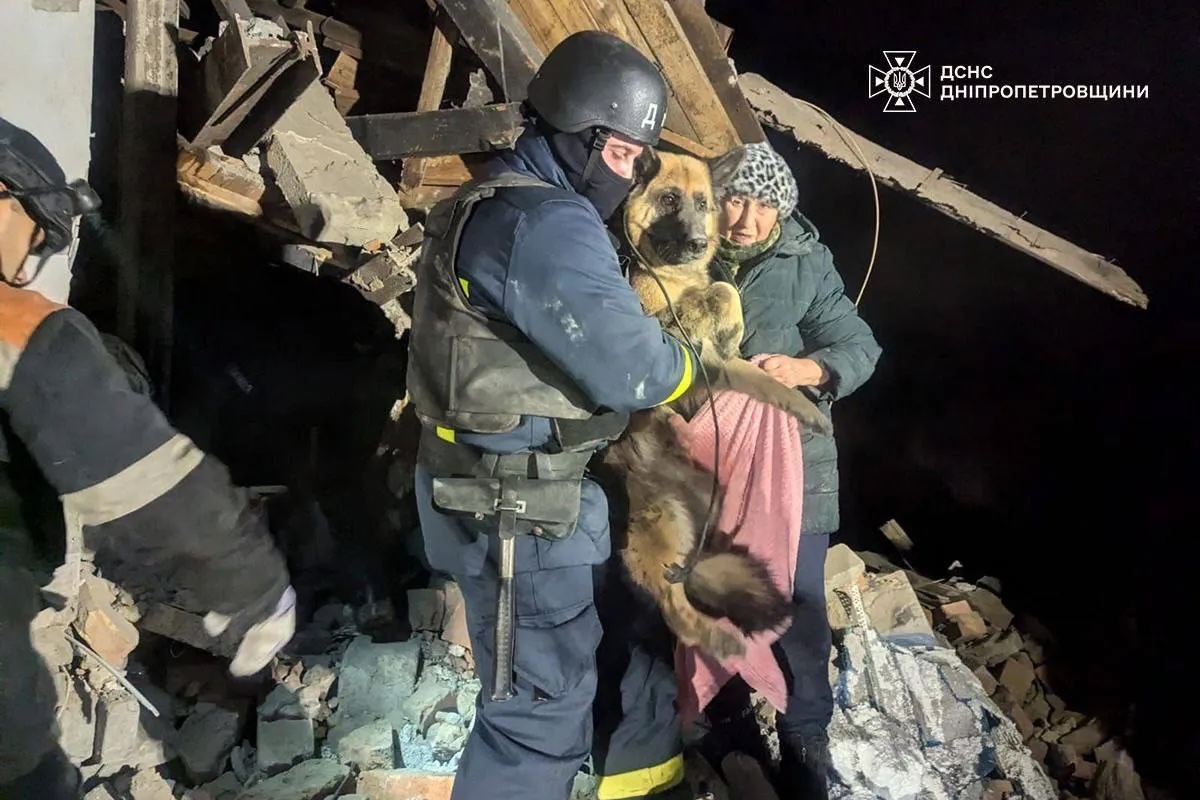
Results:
[579, 155]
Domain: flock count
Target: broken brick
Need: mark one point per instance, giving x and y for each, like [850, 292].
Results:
[1086, 738]
[992, 650]
[1038, 708]
[956, 609]
[967, 628]
[1017, 676]
[986, 680]
[455, 630]
[991, 607]
[405, 784]
[103, 629]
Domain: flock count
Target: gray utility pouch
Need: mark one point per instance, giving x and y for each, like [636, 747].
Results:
[540, 490]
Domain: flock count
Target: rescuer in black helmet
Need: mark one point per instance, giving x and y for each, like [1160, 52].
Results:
[527, 352]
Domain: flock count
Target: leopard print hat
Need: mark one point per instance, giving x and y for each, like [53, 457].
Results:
[757, 171]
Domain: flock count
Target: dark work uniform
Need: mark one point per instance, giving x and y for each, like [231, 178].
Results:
[134, 483]
[537, 262]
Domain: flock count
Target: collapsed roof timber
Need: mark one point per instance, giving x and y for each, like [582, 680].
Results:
[243, 84]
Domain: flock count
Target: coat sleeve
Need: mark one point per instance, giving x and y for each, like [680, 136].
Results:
[566, 293]
[834, 334]
[138, 486]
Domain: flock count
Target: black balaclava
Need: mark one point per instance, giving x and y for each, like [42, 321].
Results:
[579, 156]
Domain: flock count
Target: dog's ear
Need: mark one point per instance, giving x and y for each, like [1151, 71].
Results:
[645, 167]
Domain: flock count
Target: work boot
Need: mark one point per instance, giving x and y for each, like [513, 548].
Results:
[738, 732]
[805, 766]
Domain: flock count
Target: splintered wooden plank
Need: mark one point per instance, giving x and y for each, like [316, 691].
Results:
[700, 32]
[497, 36]
[684, 72]
[724, 34]
[437, 133]
[433, 88]
[544, 26]
[779, 110]
[614, 17]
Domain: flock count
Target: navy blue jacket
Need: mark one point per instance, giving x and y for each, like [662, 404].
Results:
[541, 258]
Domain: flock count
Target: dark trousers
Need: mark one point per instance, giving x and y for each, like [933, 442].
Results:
[803, 650]
[532, 745]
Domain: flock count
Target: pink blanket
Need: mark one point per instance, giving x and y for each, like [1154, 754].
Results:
[763, 478]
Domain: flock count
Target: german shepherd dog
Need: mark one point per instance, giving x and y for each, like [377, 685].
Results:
[670, 223]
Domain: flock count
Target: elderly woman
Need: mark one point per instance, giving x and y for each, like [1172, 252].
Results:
[796, 310]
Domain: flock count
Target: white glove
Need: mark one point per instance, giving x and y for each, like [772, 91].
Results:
[263, 640]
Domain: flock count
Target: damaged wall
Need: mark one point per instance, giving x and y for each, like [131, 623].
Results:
[46, 87]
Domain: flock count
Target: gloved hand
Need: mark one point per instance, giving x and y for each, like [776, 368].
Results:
[263, 639]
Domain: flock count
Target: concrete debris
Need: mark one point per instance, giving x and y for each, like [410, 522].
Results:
[226, 787]
[316, 779]
[370, 747]
[328, 180]
[376, 681]
[149, 785]
[283, 744]
[100, 792]
[913, 722]
[121, 735]
[205, 740]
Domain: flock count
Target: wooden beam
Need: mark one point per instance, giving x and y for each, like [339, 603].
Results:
[779, 110]
[341, 81]
[684, 73]
[433, 89]
[703, 37]
[495, 34]
[249, 82]
[437, 133]
[145, 278]
[614, 17]
[724, 34]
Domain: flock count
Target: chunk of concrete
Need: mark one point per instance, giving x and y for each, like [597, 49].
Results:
[149, 785]
[435, 692]
[101, 792]
[77, 723]
[894, 610]
[315, 779]
[121, 736]
[329, 181]
[283, 744]
[375, 682]
[226, 787]
[369, 747]
[205, 739]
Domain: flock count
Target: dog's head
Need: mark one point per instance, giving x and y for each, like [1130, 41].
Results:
[671, 214]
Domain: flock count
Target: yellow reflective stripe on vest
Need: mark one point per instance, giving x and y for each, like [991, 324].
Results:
[685, 382]
[446, 434]
[642, 782]
[466, 287]
[138, 485]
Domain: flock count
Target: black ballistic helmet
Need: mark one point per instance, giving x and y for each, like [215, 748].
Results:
[595, 79]
[32, 176]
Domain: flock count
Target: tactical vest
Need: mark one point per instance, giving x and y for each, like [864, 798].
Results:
[468, 372]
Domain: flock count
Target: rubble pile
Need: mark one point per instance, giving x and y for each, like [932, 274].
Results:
[341, 713]
[940, 692]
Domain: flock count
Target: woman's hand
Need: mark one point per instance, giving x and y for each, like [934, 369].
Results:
[793, 372]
